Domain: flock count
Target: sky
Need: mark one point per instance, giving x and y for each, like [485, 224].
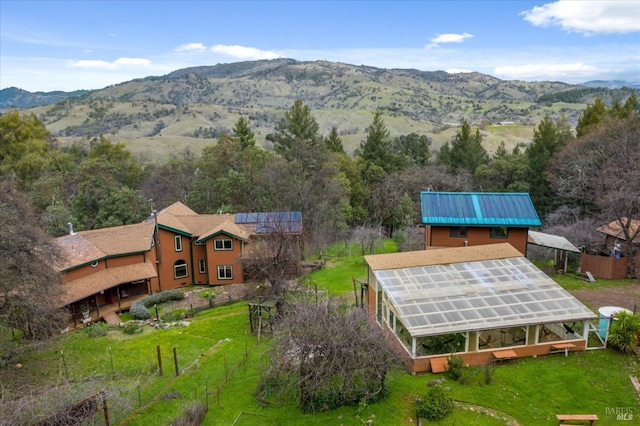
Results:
[69, 45]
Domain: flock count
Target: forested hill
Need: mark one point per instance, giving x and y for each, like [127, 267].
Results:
[202, 102]
[18, 98]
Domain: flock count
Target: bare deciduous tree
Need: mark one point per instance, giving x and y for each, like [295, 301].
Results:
[329, 355]
[275, 254]
[30, 288]
[601, 173]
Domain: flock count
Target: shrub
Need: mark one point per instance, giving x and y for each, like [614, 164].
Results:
[488, 374]
[456, 365]
[193, 415]
[131, 328]
[435, 405]
[624, 331]
[97, 329]
[139, 308]
[139, 311]
[176, 315]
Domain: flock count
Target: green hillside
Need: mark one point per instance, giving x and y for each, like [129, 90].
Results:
[156, 116]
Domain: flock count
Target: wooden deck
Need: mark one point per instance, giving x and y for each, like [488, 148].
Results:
[108, 313]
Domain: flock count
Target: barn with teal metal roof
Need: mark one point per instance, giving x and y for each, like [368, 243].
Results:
[454, 219]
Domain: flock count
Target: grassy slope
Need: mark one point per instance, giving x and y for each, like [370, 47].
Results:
[211, 353]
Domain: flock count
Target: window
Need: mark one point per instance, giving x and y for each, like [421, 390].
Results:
[499, 232]
[180, 269]
[223, 244]
[225, 272]
[202, 266]
[178, 243]
[200, 243]
[458, 231]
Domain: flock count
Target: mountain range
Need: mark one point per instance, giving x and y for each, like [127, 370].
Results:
[158, 114]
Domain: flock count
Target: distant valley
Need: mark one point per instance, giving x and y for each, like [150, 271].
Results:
[158, 116]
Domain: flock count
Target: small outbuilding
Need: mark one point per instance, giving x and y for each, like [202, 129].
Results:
[559, 244]
[483, 303]
[456, 219]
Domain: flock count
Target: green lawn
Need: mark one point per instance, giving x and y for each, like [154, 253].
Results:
[221, 363]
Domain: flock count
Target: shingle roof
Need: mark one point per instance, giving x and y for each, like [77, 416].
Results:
[478, 208]
[101, 280]
[87, 246]
[615, 230]
[181, 219]
[441, 256]
[227, 228]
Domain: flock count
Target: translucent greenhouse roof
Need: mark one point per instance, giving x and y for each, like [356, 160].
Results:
[477, 295]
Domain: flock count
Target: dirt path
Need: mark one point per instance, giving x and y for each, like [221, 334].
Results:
[627, 296]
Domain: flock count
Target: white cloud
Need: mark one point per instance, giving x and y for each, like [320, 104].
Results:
[588, 17]
[119, 63]
[448, 38]
[244, 53]
[561, 72]
[191, 47]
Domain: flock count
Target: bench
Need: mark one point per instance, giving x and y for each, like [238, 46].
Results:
[591, 418]
[439, 365]
[562, 347]
[503, 355]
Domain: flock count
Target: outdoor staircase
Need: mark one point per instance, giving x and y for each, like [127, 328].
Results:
[112, 318]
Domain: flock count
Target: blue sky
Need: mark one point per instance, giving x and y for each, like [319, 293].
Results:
[69, 45]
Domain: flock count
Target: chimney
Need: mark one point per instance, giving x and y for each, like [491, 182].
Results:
[70, 225]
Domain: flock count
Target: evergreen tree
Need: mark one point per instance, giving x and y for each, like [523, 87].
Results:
[415, 148]
[296, 135]
[548, 138]
[593, 114]
[333, 142]
[376, 148]
[24, 147]
[243, 133]
[466, 151]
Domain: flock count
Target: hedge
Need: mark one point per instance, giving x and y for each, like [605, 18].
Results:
[139, 308]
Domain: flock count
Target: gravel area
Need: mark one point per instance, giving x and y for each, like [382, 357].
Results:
[626, 296]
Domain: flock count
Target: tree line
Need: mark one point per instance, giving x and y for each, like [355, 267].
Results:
[578, 181]
[101, 184]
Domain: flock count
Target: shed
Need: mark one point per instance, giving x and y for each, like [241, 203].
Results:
[560, 244]
[454, 219]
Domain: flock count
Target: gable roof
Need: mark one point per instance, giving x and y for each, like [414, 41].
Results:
[85, 247]
[478, 208]
[472, 292]
[180, 219]
[230, 229]
[615, 230]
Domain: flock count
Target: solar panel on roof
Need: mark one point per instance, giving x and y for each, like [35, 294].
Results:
[478, 208]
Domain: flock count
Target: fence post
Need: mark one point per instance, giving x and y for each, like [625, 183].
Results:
[159, 360]
[104, 408]
[175, 360]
